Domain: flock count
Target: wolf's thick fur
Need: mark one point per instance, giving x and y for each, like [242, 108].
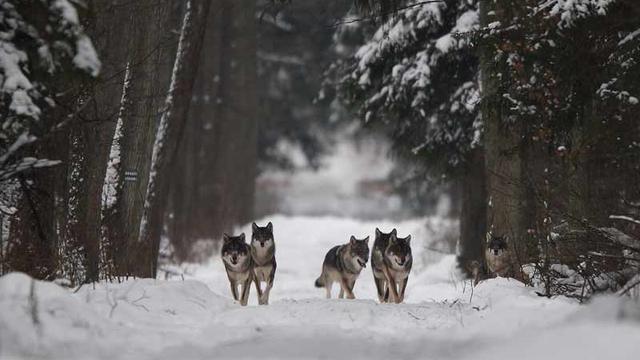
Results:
[263, 254]
[496, 256]
[391, 263]
[238, 264]
[343, 264]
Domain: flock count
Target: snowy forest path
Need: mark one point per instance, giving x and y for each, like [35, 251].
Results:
[442, 317]
[196, 318]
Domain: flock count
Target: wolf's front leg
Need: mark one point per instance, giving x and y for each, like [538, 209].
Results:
[391, 284]
[267, 290]
[351, 284]
[348, 290]
[403, 287]
[265, 294]
[246, 286]
[256, 281]
[380, 288]
[234, 289]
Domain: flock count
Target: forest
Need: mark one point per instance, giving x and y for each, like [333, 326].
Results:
[501, 139]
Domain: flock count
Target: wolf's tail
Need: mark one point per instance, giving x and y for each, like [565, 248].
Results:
[319, 282]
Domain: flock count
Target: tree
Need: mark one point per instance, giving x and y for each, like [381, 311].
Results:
[417, 78]
[169, 133]
[38, 60]
[219, 155]
[145, 94]
[552, 129]
[294, 45]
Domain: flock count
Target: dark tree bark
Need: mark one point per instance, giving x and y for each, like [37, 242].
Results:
[473, 215]
[148, 52]
[91, 137]
[170, 129]
[33, 240]
[231, 173]
[219, 158]
[505, 152]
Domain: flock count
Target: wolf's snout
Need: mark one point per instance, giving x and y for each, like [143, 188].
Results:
[495, 251]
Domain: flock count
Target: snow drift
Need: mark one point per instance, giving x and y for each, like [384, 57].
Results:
[196, 318]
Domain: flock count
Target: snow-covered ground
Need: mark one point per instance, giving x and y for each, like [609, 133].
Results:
[195, 318]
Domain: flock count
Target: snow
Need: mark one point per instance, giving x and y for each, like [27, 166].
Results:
[569, 11]
[67, 11]
[466, 22]
[112, 176]
[86, 57]
[629, 37]
[195, 318]
[14, 81]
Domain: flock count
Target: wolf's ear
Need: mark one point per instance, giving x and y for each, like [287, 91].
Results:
[352, 240]
[488, 238]
[225, 238]
[366, 240]
[393, 237]
[254, 227]
[394, 232]
[242, 237]
[270, 226]
[408, 240]
[378, 232]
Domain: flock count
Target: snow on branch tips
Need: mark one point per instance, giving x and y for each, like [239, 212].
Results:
[33, 54]
[397, 78]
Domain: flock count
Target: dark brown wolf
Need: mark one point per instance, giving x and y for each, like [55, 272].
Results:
[391, 262]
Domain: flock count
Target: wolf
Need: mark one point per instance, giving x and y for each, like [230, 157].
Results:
[496, 255]
[343, 264]
[391, 263]
[236, 256]
[263, 254]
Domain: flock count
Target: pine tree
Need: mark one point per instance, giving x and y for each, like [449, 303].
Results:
[41, 62]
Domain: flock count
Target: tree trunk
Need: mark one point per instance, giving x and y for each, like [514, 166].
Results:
[219, 160]
[148, 52]
[91, 139]
[473, 215]
[232, 172]
[505, 153]
[170, 129]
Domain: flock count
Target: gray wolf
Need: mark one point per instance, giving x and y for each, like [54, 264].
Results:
[391, 263]
[263, 254]
[497, 255]
[237, 261]
[343, 264]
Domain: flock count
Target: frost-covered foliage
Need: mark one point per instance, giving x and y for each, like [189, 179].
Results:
[569, 11]
[40, 41]
[559, 53]
[567, 75]
[43, 52]
[569, 70]
[417, 76]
